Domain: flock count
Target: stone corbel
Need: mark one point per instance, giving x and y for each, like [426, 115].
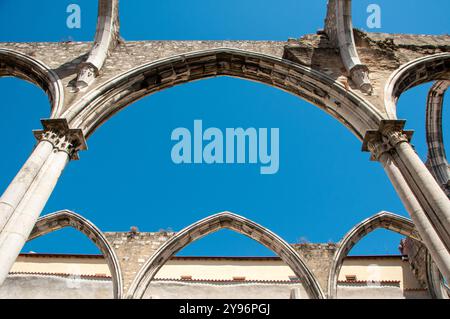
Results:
[106, 38]
[383, 140]
[63, 138]
[339, 28]
[86, 75]
[360, 76]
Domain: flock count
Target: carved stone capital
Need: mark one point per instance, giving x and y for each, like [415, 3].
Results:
[387, 137]
[397, 137]
[63, 138]
[375, 144]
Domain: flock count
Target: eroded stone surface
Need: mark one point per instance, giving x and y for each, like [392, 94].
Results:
[382, 53]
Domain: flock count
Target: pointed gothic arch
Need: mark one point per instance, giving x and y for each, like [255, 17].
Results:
[311, 85]
[213, 224]
[386, 220]
[65, 218]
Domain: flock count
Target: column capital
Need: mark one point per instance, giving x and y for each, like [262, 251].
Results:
[388, 136]
[62, 137]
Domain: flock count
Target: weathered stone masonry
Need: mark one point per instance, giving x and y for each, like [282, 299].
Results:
[133, 250]
[355, 77]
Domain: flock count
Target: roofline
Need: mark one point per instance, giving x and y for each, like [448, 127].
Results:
[175, 258]
[55, 255]
[229, 281]
[59, 274]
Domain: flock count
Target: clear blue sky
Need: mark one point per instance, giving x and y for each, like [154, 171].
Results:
[325, 184]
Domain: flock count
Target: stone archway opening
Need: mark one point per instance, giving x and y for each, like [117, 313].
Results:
[382, 272]
[239, 224]
[347, 283]
[51, 274]
[18, 118]
[225, 265]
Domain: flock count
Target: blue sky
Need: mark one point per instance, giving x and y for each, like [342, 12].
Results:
[325, 184]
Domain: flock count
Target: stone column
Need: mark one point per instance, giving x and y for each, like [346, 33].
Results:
[434, 194]
[23, 180]
[381, 148]
[57, 145]
[428, 192]
[434, 244]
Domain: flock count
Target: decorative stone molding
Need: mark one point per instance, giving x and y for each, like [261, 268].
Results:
[437, 159]
[63, 138]
[424, 268]
[311, 85]
[437, 286]
[106, 38]
[387, 137]
[418, 71]
[339, 28]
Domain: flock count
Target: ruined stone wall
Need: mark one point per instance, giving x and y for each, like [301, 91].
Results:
[382, 53]
[417, 258]
[330, 22]
[133, 250]
[64, 58]
[318, 258]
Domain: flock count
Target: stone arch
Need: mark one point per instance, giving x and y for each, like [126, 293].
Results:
[437, 159]
[386, 220]
[212, 224]
[313, 86]
[422, 70]
[55, 221]
[16, 64]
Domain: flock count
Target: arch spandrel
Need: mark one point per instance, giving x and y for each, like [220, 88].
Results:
[311, 85]
[381, 53]
[225, 220]
[62, 219]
